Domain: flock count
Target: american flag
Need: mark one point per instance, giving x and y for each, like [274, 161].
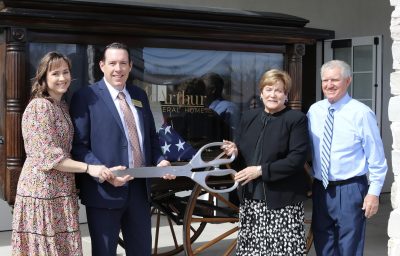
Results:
[173, 145]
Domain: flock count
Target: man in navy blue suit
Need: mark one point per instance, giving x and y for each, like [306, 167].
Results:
[102, 137]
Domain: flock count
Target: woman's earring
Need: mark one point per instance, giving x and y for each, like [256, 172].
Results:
[260, 98]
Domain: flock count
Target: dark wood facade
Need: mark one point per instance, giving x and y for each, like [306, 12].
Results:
[78, 22]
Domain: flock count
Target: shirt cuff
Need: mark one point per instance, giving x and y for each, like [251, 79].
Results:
[374, 189]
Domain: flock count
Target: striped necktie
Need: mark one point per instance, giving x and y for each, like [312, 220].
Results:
[132, 132]
[326, 147]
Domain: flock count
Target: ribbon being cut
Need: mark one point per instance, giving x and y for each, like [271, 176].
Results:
[173, 146]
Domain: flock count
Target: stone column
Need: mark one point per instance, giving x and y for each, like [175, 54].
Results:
[394, 117]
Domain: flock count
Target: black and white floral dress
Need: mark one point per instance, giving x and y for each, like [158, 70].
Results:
[272, 211]
[270, 232]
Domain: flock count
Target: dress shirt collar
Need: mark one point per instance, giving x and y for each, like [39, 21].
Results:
[338, 104]
[114, 92]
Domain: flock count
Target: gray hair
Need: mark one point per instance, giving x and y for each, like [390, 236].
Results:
[345, 68]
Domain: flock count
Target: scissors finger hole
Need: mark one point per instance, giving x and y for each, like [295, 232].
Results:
[220, 182]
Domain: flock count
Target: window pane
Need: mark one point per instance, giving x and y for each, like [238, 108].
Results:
[342, 54]
[362, 58]
[362, 86]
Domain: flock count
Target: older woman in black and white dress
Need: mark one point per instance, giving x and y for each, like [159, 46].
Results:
[271, 148]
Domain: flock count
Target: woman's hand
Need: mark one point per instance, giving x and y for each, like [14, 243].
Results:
[101, 172]
[229, 148]
[248, 174]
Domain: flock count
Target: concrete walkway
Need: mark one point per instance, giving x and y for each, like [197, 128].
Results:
[376, 237]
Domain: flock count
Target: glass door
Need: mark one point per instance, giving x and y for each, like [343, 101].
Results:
[364, 55]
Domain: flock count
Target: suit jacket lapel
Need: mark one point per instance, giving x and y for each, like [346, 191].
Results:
[105, 95]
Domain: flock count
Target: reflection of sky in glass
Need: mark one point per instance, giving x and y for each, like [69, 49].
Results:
[180, 62]
[183, 62]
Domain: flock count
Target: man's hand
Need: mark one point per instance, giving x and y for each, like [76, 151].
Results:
[163, 163]
[370, 205]
[167, 176]
[119, 181]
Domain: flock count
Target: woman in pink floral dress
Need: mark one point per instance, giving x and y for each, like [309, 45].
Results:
[45, 220]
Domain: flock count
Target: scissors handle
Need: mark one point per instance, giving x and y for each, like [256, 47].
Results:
[201, 178]
[198, 162]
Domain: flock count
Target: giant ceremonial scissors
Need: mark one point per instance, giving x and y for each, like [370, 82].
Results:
[197, 162]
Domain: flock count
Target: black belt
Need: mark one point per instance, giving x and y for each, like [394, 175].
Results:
[333, 183]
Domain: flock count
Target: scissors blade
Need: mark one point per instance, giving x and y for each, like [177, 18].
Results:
[153, 172]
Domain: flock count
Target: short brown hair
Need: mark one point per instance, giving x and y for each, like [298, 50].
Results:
[49, 61]
[116, 45]
[272, 76]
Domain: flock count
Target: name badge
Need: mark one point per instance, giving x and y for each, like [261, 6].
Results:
[137, 103]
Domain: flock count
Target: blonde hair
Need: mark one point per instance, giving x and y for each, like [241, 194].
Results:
[274, 75]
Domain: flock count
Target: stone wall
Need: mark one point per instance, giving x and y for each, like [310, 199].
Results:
[394, 118]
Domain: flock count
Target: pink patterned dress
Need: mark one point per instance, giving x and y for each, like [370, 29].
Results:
[45, 220]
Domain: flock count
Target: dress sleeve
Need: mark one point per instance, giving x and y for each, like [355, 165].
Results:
[41, 136]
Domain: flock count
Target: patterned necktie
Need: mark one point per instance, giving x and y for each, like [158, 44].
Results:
[326, 147]
[132, 132]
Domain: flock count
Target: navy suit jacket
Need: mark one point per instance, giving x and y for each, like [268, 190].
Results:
[100, 139]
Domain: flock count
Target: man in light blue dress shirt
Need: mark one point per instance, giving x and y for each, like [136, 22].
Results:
[226, 109]
[340, 210]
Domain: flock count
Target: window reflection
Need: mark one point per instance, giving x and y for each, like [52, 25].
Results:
[174, 82]
[166, 72]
